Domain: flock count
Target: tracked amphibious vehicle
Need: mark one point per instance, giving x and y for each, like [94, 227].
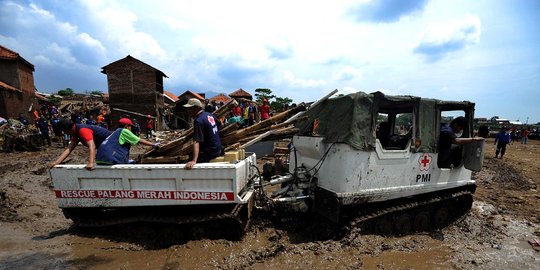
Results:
[369, 161]
[372, 160]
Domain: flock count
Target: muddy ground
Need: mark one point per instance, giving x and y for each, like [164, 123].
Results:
[35, 235]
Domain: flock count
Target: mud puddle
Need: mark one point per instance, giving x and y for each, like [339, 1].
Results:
[483, 239]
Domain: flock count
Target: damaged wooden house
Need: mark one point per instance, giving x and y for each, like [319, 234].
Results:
[17, 90]
[135, 90]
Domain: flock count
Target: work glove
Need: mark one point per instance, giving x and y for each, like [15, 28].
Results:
[156, 146]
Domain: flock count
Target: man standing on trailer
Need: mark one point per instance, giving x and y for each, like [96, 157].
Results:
[207, 143]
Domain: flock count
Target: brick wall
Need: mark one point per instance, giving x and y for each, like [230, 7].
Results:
[133, 86]
[21, 77]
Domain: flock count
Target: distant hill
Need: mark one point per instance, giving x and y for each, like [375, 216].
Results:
[212, 94]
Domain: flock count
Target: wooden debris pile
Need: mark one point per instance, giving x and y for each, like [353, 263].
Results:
[233, 136]
[15, 136]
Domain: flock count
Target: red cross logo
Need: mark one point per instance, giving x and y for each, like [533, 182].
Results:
[211, 120]
[424, 161]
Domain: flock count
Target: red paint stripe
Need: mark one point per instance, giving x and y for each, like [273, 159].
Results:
[145, 194]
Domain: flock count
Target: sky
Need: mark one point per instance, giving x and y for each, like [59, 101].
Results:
[484, 51]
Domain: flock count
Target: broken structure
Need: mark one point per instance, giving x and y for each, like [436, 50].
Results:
[17, 90]
[135, 89]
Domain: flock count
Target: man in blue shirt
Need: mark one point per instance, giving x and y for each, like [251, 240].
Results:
[450, 141]
[503, 138]
[115, 149]
[207, 143]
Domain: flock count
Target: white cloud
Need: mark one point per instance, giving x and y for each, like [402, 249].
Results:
[385, 11]
[347, 90]
[299, 82]
[41, 12]
[440, 39]
[280, 48]
[120, 30]
[347, 73]
[86, 39]
[300, 49]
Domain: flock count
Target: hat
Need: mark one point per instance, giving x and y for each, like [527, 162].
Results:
[125, 121]
[193, 102]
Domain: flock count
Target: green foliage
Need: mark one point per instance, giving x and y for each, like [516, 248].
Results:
[96, 93]
[262, 93]
[382, 118]
[280, 103]
[66, 92]
[404, 119]
[54, 100]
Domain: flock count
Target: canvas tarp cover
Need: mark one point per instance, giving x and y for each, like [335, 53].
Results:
[428, 130]
[345, 119]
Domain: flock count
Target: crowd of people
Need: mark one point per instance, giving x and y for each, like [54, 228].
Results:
[46, 121]
[245, 112]
[509, 135]
[107, 147]
[79, 126]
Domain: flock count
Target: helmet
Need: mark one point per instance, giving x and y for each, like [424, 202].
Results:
[125, 121]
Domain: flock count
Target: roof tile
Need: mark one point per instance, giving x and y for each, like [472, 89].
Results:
[8, 87]
[240, 93]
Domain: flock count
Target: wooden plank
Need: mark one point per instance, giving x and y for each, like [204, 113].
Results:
[164, 160]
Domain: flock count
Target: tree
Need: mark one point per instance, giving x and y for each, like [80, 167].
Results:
[404, 119]
[280, 103]
[54, 100]
[66, 92]
[96, 93]
[263, 93]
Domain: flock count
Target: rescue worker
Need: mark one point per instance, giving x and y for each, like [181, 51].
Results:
[501, 140]
[207, 143]
[43, 127]
[450, 142]
[115, 149]
[88, 135]
[149, 126]
[265, 110]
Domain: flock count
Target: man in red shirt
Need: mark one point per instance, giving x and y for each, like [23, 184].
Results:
[265, 110]
[149, 126]
[89, 135]
[237, 110]
[525, 136]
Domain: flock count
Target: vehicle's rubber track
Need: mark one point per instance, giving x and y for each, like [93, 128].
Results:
[236, 217]
[426, 213]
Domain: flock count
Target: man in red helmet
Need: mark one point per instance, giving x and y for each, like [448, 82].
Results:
[265, 110]
[115, 149]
